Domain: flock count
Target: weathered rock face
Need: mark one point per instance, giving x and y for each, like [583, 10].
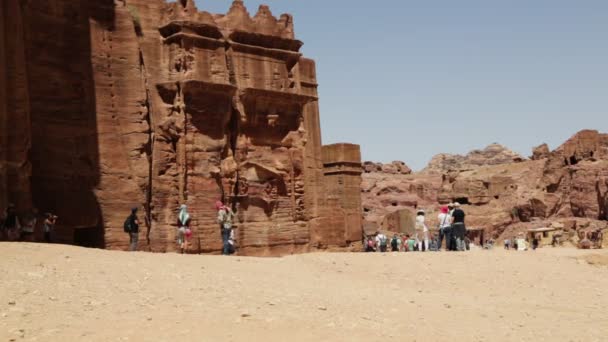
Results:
[540, 152]
[568, 185]
[396, 167]
[493, 154]
[153, 104]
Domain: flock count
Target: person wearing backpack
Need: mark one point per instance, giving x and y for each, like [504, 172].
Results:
[381, 242]
[224, 218]
[395, 243]
[131, 227]
[12, 224]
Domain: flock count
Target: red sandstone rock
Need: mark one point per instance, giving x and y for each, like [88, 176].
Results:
[151, 104]
[540, 152]
[504, 198]
[493, 154]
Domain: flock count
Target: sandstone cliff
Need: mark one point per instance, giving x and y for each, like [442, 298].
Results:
[106, 105]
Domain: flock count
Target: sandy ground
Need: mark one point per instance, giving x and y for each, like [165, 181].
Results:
[63, 293]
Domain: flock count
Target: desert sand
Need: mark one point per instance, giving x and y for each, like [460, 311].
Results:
[64, 293]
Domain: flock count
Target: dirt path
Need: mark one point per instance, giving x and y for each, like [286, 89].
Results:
[60, 293]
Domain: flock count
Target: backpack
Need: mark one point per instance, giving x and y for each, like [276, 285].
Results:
[127, 225]
[394, 243]
[382, 240]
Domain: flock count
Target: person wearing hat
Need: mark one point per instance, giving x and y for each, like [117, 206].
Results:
[422, 232]
[458, 227]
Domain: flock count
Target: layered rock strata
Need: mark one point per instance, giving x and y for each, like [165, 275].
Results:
[109, 104]
[566, 187]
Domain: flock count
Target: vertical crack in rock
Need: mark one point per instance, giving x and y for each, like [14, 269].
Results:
[237, 114]
[148, 147]
[602, 201]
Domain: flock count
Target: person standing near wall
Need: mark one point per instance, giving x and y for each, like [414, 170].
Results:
[49, 226]
[224, 218]
[184, 232]
[29, 226]
[132, 225]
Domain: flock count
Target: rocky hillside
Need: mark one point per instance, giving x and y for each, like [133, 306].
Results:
[494, 154]
[506, 194]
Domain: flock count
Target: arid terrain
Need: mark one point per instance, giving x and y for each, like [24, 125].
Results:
[63, 293]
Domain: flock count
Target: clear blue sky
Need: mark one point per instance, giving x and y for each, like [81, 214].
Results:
[409, 79]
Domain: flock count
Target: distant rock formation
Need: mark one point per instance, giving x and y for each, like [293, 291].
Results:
[493, 154]
[396, 167]
[504, 194]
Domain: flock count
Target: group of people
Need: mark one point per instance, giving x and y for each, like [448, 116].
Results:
[15, 227]
[451, 227]
[225, 218]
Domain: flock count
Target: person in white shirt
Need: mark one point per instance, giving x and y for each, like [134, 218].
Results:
[422, 231]
[445, 223]
[381, 242]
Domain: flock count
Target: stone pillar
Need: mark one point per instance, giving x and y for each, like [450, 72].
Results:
[342, 169]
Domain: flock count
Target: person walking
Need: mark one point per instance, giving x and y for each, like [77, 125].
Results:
[458, 227]
[445, 224]
[224, 218]
[132, 227]
[422, 232]
[184, 232]
[49, 226]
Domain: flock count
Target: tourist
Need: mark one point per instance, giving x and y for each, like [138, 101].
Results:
[434, 247]
[422, 232]
[535, 243]
[507, 244]
[231, 243]
[370, 246]
[224, 218]
[444, 226]
[29, 226]
[395, 243]
[411, 243]
[458, 227]
[184, 231]
[49, 226]
[381, 242]
[132, 226]
[11, 223]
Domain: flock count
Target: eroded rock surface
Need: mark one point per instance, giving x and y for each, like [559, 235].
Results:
[568, 185]
[494, 154]
[115, 104]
